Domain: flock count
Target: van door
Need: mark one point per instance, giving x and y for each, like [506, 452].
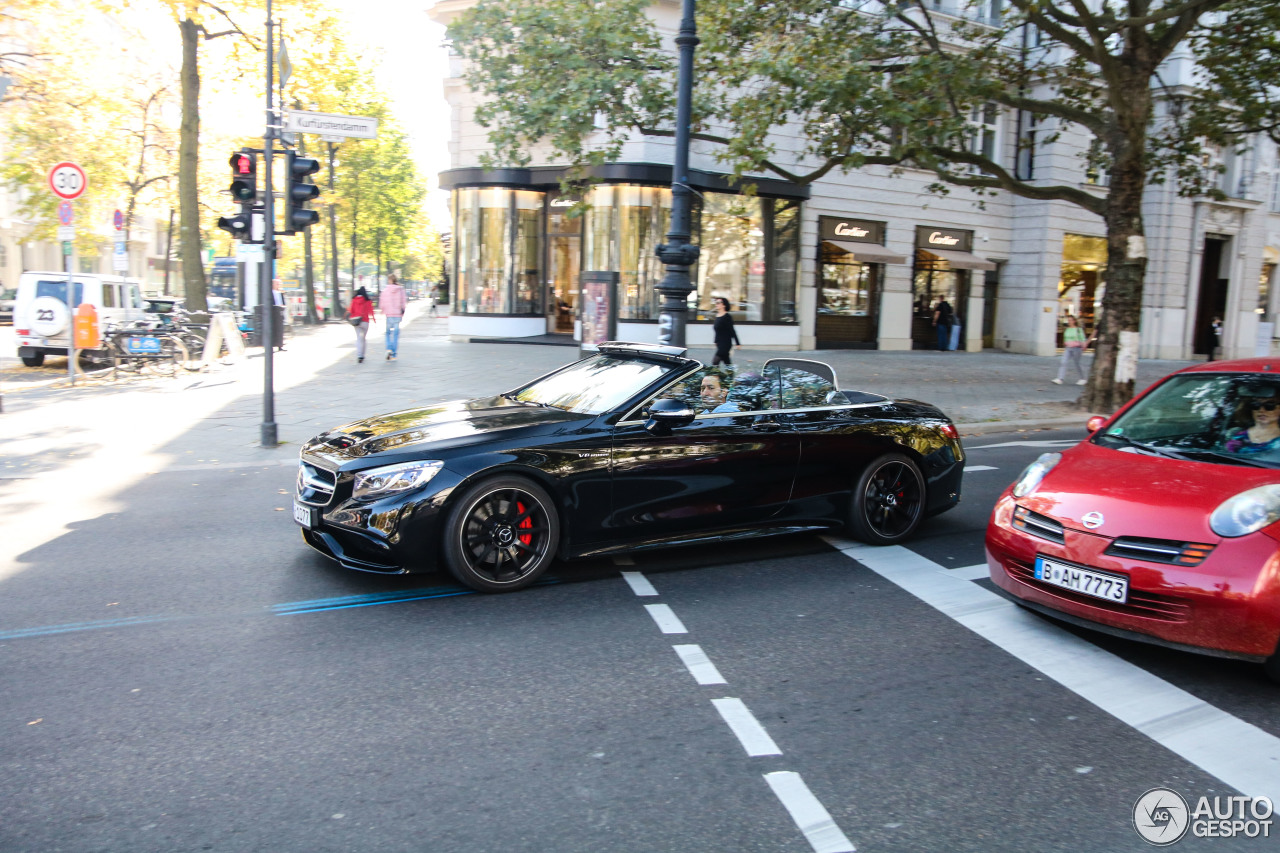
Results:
[110, 309]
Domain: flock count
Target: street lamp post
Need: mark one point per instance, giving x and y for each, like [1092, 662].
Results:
[678, 254]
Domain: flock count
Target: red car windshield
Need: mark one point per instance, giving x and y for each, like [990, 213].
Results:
[1222, 418]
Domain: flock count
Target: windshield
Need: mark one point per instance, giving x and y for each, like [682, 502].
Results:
[1219, 418]
[598, 384]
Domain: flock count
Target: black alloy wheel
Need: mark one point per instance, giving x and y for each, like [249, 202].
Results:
[888, 501]
[501, 535]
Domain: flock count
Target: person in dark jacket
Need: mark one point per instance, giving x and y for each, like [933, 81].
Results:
[725, 335]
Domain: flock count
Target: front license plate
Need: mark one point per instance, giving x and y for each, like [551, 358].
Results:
[303, 515]
[1089, 582]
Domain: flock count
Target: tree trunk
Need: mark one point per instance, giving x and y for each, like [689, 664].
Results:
[1126, 239]
[188, 169]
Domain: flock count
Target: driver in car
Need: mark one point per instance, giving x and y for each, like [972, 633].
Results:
[1262, 434]
[715, 395]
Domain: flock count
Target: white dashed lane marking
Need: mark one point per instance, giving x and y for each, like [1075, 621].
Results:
[639, 583]
[754, 739]
[699, 665]
[1238, 753]
[969, 469]
[668, 622]
[809, 814]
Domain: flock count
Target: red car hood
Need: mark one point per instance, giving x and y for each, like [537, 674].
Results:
[1141, 495]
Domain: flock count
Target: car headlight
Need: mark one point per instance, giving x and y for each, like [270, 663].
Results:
[1036, 471]
[394, 479]
[1246, 512]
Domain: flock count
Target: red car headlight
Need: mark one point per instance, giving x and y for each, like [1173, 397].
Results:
[1030, 479]
[1247, 512]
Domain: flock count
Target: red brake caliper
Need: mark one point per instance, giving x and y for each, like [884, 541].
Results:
[526, 539]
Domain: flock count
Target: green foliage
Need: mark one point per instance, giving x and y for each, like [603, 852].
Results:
[552, 67]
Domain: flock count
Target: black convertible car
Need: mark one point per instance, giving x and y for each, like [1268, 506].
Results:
[635, 446]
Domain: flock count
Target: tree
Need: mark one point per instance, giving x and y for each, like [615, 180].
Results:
[897, 85]
[91, 107]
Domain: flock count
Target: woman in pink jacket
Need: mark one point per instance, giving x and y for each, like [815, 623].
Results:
[392, 302]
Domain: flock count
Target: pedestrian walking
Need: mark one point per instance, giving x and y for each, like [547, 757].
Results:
[943, 317]
[1073, 344]
[433, 298]
[360, 315]
[725, 335]
[392, 303]
[957, 327]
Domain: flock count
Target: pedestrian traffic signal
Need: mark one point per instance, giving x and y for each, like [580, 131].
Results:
[244, 179]
[301, 189]
[238, 226]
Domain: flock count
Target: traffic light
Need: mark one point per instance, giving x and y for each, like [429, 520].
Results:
[299, 191]
[244, 189]
[239, 226]
[244, 178]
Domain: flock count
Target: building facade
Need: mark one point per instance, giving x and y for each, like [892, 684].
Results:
[858, 259]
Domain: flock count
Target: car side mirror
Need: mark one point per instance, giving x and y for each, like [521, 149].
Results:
[666, 414]
[1095, 423]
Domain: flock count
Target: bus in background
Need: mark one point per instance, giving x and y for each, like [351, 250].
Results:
[222, 284]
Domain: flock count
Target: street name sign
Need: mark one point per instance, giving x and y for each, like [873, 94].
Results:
[68, 180]
[329, 124]
[250, 252]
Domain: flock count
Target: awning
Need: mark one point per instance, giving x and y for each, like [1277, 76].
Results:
[1270, 255]
[869, 253]
[962, 260]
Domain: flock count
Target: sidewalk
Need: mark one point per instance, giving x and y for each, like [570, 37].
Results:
[319, 385]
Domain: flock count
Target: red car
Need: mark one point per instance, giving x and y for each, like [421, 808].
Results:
[1162, 526]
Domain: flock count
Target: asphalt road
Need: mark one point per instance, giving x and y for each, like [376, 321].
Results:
[184, 674]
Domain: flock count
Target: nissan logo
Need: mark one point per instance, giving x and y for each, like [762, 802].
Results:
[1092, 520]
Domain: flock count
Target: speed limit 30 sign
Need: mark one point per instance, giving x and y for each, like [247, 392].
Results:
[67, 180]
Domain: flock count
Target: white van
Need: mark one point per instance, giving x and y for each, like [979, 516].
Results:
[42, 319]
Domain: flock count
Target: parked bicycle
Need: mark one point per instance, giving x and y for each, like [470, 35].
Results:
[148, 347]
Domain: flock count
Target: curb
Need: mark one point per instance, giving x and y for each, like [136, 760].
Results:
[985, 427]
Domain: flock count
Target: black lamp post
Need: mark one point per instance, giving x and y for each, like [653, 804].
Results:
[678, 254]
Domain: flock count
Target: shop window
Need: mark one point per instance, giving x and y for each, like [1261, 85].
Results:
[847, 286]
[782, 235]
[497, 252]
[1082, 282]
[623, 229]
[732, 263]
[1264, 292]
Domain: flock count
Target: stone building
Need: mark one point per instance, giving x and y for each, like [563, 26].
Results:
[859, 259]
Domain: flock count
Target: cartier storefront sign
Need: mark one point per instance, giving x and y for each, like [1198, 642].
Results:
[851, 230]
[952, 239]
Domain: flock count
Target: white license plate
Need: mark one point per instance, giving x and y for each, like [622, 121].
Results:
[302, 515]
[1102, 585]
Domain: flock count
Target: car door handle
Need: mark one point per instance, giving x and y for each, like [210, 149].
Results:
[766, 426]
